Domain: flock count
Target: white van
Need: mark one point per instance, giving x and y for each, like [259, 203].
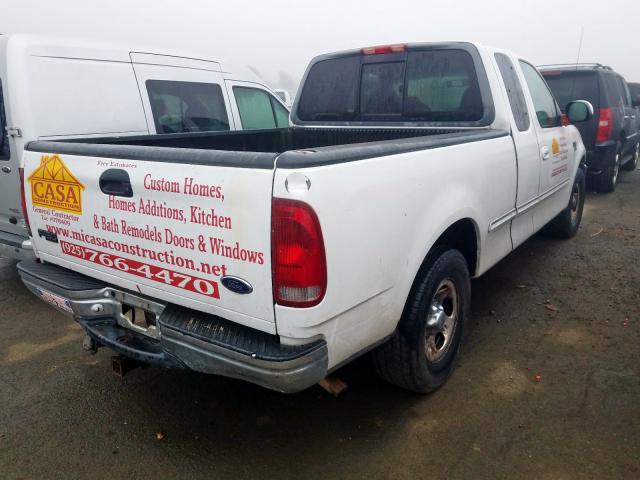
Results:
[52, 89]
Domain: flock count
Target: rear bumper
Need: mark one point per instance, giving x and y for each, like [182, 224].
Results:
[182, 338]
[599, 156]
[16, 246]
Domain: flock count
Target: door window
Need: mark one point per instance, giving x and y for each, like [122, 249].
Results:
[4, 137]
[179, 107]
[547, 110]
[259, 110]
[514, 92]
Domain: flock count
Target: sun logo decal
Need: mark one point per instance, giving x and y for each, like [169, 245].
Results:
[54, 186]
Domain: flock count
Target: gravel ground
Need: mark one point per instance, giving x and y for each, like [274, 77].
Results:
[568, 311]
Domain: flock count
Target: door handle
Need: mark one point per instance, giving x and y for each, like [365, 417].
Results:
[116, 182]
[545, 153]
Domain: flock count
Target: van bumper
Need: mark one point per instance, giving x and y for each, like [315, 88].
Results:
[180, 338]
[16, 246]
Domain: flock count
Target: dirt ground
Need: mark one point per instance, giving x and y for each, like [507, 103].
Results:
[568, 311]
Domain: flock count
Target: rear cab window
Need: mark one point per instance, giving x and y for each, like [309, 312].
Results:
[570, 85]
[5, 154]
[433, 85]
[259, 110]
[180, 107]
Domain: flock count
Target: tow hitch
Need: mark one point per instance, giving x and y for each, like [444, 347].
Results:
[122, 365]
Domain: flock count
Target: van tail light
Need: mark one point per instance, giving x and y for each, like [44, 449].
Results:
[605, 125]
[381, 49]
[298, 259]
[23, 200]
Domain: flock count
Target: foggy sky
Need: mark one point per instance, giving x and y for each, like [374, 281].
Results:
[278, 38]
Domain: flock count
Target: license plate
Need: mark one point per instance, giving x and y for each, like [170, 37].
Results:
[56, 300]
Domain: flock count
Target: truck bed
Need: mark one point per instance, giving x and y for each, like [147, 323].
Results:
[259, 148]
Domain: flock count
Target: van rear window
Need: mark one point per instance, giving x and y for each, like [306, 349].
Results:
[438, 85]
[179, 107]
[4, 138]
[568, 86]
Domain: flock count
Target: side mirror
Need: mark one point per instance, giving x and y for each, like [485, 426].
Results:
[579, 111]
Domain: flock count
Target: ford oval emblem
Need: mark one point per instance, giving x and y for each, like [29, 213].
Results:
[236, 285]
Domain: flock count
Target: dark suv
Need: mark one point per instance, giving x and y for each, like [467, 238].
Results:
[612, 136]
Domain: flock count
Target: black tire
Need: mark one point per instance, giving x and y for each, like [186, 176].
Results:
[606, 181]
[632, 164]
[567, 222]
[404, 359]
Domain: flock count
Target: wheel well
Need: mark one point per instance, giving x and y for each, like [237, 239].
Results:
[463, 237]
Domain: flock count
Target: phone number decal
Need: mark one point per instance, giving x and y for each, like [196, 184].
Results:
[151, 272]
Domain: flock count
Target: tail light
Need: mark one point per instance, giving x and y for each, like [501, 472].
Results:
[298, 260]
[23, 200]
[379, 50]
[605, 125]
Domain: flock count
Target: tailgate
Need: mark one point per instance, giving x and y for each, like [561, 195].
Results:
[165, 222]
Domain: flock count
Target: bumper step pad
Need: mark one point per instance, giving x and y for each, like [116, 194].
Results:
[240, 339]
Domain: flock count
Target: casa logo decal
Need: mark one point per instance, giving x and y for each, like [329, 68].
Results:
[555, 147]
[54, 186]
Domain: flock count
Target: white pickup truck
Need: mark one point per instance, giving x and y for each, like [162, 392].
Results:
[276, 256]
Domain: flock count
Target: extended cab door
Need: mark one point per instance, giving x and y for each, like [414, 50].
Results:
[525, 140]
[555, 154]
[182, 95]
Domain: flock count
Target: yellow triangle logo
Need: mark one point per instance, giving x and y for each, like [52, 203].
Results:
[54, 186]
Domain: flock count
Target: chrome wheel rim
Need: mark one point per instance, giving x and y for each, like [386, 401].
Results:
[442, 320]
[616, 168]
[574, 203]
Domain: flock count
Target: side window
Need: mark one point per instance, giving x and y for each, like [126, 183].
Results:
[514, 91]
[614, 92]
[4, 138]
[544, 103]
[626, 94]
[179, 107]
[259, 110]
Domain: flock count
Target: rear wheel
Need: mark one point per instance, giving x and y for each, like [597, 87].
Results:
[566, 224]
[606, 181]
[633, 163]
[419, 356]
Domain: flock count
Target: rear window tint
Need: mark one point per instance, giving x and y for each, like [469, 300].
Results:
[179, 107]
[570, 86]
[330, 91]
[421, 86]
[614, 92]
[4, 138]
